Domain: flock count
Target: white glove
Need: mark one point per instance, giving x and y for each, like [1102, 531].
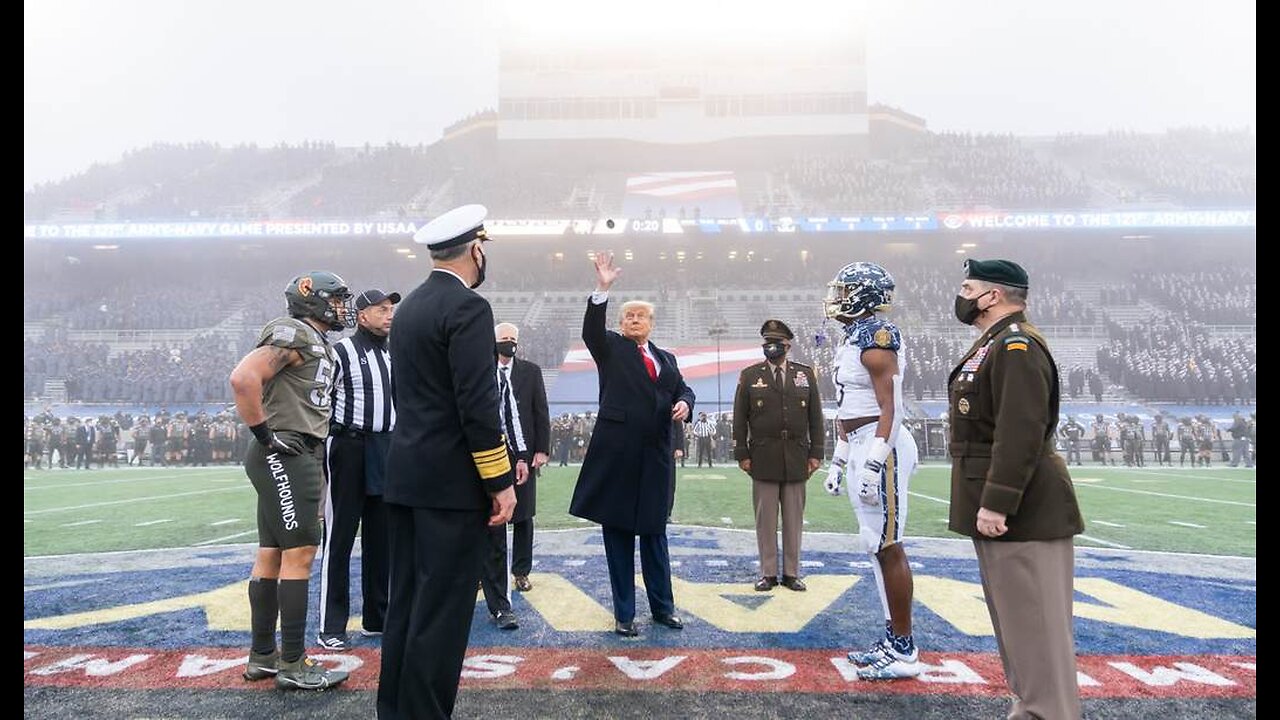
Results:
[835, 473]
[835, 476]
[871, 471]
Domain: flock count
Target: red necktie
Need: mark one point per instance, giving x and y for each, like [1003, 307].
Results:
[648, 364]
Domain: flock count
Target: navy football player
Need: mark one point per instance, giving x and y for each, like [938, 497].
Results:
[869, 366]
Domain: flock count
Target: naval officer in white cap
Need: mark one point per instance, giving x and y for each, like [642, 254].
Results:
[448, 472]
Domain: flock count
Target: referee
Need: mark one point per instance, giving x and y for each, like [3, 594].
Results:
[359, 437]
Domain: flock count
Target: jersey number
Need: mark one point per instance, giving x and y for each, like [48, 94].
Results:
[324, 382]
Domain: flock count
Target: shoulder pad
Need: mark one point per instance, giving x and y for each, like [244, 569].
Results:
[876, 334]
[290, 333]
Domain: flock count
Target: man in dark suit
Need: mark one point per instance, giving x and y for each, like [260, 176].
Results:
[530, 394]
[1011, 492]
[86, 439]
[522, 399]
[626, 474]
[447, 471]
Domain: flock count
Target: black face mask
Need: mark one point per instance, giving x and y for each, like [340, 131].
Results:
[774, 351]
[507, 348]
[967, 310]
[480, 267]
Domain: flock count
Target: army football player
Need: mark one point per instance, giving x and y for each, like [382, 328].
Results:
[282, 393]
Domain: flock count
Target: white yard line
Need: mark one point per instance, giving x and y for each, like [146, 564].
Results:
[106, 482]
[1179, 475]
[153, 522]
[1187, 524]
[133, 500]
[1168, 495]
[224, 522]
[82, 522]
[1100, 541]
[218, 540]
[1105, 523]
[928, 497]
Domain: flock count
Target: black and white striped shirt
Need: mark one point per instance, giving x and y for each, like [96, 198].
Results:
[363, 395]
[703, 428]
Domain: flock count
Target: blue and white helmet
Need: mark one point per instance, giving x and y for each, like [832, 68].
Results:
[859, 287]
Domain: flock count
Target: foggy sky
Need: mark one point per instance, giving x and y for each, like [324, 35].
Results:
[104, 77]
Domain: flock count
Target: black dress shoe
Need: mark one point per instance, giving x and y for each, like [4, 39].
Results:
[506, 620]
[792, 582]
[765, 584]
[625, 629]
[672, 621]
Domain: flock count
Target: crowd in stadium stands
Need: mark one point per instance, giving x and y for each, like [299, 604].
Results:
[828, 182]
[194, 372]
[138, 170]
[1194, 167]
[545, 344]
[1222, 297]
[1171, 359]
[377, 179]
[925, 295]
[1000, 170]
[515, 191]
[230, 185]
[131, 307]
[191, 181]
[1189, 167]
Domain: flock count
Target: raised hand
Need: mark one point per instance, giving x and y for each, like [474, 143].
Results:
[606, 272]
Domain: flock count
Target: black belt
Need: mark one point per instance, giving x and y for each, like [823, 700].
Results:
[341, 430]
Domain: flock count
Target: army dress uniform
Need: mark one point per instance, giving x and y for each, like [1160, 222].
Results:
[1003, 399]
[777, 425]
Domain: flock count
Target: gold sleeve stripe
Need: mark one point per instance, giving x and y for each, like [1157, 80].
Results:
[495, 468]
[492, 463]
[483, 455]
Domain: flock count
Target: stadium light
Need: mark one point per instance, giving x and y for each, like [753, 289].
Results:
[968, 245]
[410, 256]
[960, 251]
[106, 247]
[718, 330]
[403, 251]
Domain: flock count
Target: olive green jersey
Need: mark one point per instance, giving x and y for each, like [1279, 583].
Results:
[297, 398]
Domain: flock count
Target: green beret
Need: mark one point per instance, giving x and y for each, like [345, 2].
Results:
[1001, 272]
[776, 330]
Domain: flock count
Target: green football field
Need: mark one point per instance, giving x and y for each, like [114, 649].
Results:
[1198, 510]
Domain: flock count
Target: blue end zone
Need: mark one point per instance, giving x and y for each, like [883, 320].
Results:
[851, 617]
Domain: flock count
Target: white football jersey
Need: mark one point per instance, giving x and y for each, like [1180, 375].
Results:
[855, 395]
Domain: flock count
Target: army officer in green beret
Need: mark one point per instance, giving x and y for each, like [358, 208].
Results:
[1010, 490]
